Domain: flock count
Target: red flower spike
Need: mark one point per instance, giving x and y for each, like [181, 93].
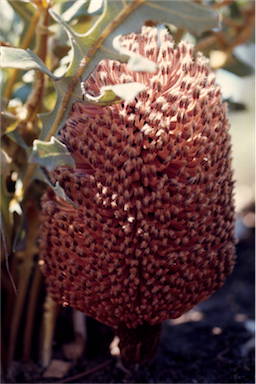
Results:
[154, 232]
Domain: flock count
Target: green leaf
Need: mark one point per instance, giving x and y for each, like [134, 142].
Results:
[40, 175]
[21, 59]
[51, 154]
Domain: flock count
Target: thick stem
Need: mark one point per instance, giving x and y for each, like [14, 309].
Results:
[138, 346]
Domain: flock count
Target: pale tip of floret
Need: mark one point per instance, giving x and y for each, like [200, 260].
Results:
[159, 132]
[146, 129]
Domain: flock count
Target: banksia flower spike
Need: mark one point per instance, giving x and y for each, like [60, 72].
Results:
[153, 234]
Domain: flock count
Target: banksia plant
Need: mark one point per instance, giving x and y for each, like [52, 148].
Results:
[151, 230]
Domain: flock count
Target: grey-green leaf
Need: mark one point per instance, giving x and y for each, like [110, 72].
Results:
[51, 154]
[21, 59]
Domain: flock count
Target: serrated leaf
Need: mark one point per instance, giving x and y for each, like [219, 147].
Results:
[23, 59]
[51, 154]
[40, 175]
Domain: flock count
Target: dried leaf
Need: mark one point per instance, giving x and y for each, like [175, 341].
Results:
[57, 369]
[74, 350]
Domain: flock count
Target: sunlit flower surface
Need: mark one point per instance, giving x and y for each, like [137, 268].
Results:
[153, 234]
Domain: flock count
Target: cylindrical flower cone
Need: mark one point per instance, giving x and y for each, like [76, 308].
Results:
[153, 234]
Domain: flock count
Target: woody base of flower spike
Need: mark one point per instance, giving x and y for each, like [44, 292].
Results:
[138, 345]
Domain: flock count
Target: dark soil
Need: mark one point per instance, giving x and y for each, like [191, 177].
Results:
[207, 345]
